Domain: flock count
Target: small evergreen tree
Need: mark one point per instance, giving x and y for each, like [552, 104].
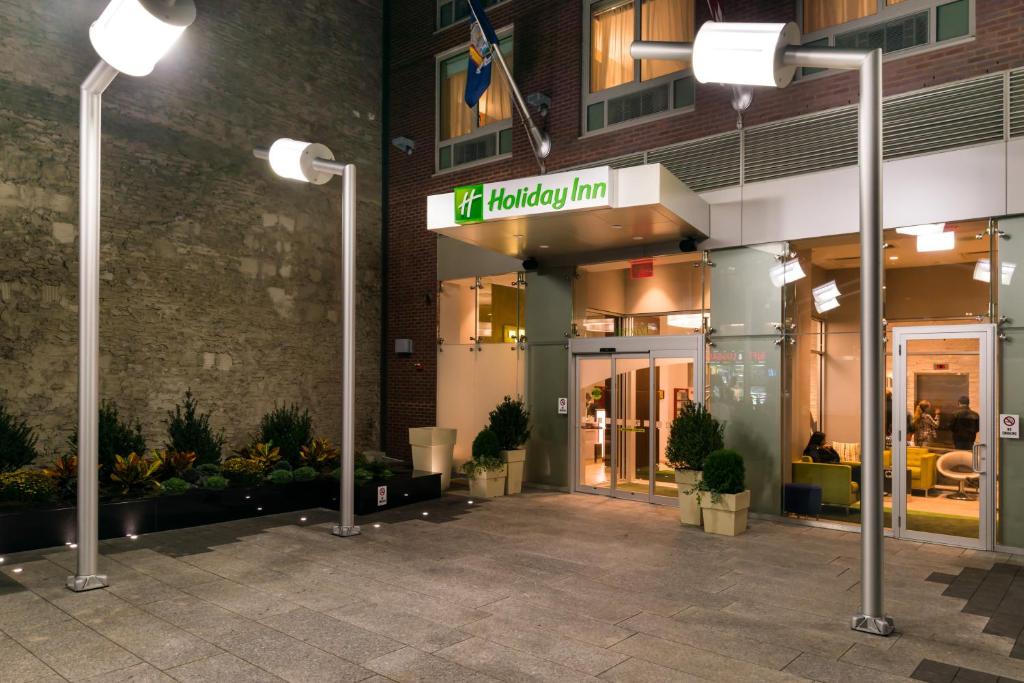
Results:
[189, 431]
[17, 442]
[289, 429]
[117, 436]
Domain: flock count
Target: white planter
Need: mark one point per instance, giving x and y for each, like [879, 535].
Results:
[689, 510]
[515, 461]
[488, 484]
[432, 451]
[727, 517]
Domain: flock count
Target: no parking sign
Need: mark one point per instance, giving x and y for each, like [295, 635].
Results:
[1009, 426]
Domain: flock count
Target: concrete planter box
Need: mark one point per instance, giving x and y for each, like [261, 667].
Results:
[689, 510]
[489, 483]
[432, 451]
[727, 517]
[515, 460]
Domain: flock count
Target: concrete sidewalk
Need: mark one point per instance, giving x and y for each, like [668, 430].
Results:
[543, 586]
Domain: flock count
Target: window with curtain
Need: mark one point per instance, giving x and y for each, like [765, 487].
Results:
[669, 20]
[613, 27]
[822, 14]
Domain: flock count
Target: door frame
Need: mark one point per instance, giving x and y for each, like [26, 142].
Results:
[677, 346]
[986, 336]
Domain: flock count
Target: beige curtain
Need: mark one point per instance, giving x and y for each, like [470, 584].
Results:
[820, 14]
[456, 117]
[670, 20]
[611, 32]
[496, 102]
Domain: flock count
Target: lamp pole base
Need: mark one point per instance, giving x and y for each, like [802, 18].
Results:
[87, 583]
[876, 626]
[345, 531]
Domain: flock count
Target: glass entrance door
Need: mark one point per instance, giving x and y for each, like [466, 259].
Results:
[940, 469]
[624, 400]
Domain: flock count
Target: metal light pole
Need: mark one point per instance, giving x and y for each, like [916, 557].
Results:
[766, 54]
[314, 163]
[130, 36]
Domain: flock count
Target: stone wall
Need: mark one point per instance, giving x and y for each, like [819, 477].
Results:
[216, 275]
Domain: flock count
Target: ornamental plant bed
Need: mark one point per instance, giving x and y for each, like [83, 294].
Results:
[30, 528]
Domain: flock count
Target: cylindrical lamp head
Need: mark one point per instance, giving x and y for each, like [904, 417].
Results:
[744, 54]
[133, 35]
[294, 159]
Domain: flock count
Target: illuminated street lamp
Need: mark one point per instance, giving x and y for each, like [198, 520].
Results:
[769, 54]
[130, 36]
[314, 163]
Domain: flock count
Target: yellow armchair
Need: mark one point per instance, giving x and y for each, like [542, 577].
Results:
[922, 464]
[837, 485]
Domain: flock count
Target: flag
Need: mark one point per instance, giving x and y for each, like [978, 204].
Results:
[482, 39]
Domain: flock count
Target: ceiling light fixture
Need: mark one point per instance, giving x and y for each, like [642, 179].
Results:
[787, 272]
[826, 297]
[940, 241]
[687, 321]
[983, 271]
[923, 229]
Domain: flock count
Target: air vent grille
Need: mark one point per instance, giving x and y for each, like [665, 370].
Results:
[805, 145]
[1016, 104]
[958, 115]
[706, 164]
[626, 161]
[635, 105]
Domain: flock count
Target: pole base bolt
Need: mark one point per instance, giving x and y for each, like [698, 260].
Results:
[877, 626]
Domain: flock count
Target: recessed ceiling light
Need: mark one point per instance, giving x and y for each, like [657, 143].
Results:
[638, 237]
[616, 226]
[17, 570]
[894, 258]
[377, 525]
[545, 246]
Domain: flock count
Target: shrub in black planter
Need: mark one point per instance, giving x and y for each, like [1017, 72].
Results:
[215, 483]
[190, 431]
[192, 476]
[289, 429]
[27, 486]
[174, 486]
[208, 469]
[117, 436]
[283, 465]
[17, 442]
[280, 477]
[304, 474]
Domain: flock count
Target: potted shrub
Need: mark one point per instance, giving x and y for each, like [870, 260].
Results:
[695, 434]
[721, 494]
[510, 422]
[486, 470]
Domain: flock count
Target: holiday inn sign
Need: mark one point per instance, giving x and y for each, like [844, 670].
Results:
[584, 189]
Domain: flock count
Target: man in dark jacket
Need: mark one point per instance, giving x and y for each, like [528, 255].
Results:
[965, 425]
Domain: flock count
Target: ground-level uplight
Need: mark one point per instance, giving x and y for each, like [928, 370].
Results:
[314, 163]
[130, 36]
[768, 54]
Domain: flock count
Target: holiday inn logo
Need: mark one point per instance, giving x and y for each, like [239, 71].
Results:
[469, 204]
[542, 194]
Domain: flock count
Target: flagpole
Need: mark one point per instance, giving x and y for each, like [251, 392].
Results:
[540, 142]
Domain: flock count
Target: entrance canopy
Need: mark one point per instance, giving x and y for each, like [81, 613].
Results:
[572, 213]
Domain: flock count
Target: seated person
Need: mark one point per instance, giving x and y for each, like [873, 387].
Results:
[819, 450]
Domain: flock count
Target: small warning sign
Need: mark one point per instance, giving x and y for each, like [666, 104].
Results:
[563, 405]
[382, 496]
[1009, 426]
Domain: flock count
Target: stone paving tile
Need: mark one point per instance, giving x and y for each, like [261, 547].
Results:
[407, 628]
[18, 665]
[575, 626]
[829, 670]
[696, 661]
[519, 635]
[26, 609]
[153, 640]
[507, 664]
[243, 600]
[642, 671]
[331, 635]
[206, 620]
[140, 673]
[72, 649]
[223, 667]
[410, 665]
[296, 661]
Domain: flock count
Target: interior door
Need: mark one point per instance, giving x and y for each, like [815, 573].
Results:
[594, 403]
[631, 420]
[940, 471]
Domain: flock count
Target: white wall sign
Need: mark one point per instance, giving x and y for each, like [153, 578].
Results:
[563, 406]
[583, 189]
[382, 496]
[1009, 426]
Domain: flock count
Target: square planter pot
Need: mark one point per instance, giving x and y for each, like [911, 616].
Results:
[515, 461]
[432, 451]
[689, 510]
[727, 517]
[488, 484]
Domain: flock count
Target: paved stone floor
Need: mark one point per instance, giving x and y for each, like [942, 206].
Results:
[544, 586]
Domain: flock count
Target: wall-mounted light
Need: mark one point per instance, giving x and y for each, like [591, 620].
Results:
[786, 272]
[405, 144]
[744, 54]
[293, 159]
[983, 271]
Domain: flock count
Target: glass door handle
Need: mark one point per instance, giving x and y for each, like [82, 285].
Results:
[976, 457]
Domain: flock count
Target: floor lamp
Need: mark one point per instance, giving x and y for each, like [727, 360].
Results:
[131, 36]
[768, 55]
[314, 163]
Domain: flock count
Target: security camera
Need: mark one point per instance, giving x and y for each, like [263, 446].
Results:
[530, 264]
[405, 144]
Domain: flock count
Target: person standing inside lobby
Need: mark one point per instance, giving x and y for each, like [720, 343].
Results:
[965, 425]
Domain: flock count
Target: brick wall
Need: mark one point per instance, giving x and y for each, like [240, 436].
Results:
[548, 59]
[215, 273]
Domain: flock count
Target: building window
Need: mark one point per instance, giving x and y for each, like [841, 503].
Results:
[619, 88]
[466, 135]
[451, 12]
[892, 25]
